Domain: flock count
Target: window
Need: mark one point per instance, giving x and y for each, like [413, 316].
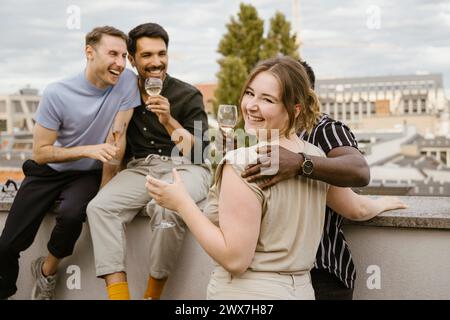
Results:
[414, 105]
[3, 125]
[423, 84]
[3, 106]
[423, 105]
[406, 105]
[17, 106]
[443, 157]
[32, 106]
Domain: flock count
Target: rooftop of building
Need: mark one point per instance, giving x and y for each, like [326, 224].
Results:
[431, 141]
[421, 162]
[27, 91]
[437, 77]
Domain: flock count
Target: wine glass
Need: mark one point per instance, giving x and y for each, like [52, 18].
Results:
[227, 118]
[153, 86]
[163, 224]
[117, 130]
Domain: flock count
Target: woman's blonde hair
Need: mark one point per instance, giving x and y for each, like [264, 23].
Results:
[295, 90]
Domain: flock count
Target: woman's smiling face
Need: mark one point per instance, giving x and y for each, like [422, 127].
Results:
[262, 107]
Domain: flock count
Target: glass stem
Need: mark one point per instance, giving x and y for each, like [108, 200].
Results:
[229, 143]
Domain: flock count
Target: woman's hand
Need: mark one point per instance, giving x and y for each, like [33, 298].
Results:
[391, 203]
[172, 196]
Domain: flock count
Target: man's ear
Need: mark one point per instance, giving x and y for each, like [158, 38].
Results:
[89, 52]
[131, 59]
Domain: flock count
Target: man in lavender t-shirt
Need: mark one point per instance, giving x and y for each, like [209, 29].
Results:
[71, 147]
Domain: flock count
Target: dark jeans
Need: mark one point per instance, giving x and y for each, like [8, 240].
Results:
[40, 189]
[327, 286]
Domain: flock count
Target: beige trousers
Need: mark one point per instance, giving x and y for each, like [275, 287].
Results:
[253, 285]
[119, 201]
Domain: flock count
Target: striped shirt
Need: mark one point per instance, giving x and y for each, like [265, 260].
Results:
[333, 253]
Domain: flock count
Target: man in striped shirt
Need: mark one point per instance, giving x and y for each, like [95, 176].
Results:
[333, 275]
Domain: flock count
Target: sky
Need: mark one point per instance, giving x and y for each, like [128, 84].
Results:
[43, 41]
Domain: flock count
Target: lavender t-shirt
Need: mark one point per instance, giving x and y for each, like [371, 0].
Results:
[82, 113]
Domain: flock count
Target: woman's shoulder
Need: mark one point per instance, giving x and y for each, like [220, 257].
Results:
[312, 150]
[238, 159]
[241, 157]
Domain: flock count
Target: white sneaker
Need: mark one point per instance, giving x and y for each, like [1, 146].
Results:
[44, 287]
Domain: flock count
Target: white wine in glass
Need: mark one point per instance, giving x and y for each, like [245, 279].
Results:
[153, 86]
[227, 117]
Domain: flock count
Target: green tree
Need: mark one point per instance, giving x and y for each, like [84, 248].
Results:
[279, 39]
[244, 36]
[243, 45]
[230, 80]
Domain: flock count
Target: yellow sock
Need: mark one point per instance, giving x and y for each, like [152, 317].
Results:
[118, 291]
[154, 288]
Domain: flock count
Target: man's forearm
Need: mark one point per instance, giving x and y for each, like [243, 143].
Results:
[183, 139]
[343, 171]
[110, 170]
[52, 154]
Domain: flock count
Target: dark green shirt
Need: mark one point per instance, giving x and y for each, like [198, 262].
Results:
[146, 135]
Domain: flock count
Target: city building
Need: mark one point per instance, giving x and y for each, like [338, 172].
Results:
[16, 124]
[420, 167]
[371, 103]
[386, 101]
[17, 111]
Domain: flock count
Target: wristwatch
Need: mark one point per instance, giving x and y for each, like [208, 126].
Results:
[307, 166]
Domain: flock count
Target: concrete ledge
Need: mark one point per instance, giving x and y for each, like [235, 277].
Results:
[407, 250]
[422, 212]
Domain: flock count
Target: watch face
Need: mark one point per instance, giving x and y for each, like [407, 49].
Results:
[308, 167]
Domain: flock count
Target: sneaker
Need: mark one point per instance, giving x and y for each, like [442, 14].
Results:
[44, 287]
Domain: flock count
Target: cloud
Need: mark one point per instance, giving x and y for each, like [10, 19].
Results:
[410, 38]
[38, 48]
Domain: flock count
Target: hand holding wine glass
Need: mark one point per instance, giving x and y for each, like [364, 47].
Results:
[117, 130]
[165, 194]
[156, 103]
